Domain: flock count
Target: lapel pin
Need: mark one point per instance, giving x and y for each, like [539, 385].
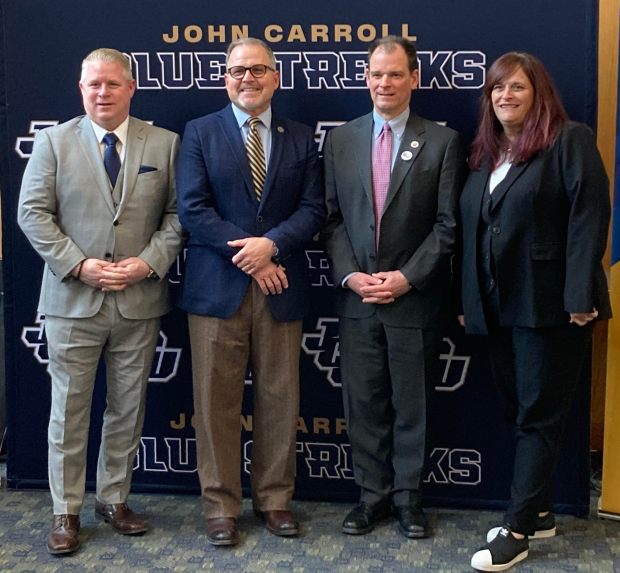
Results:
[280, 129]
[415, 144]
[406, 155]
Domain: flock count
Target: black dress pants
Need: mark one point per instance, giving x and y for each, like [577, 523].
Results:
[537, 371]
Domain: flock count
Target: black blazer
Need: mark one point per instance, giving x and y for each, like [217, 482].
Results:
[549, 224]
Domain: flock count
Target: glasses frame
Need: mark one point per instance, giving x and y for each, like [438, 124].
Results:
[251, 69]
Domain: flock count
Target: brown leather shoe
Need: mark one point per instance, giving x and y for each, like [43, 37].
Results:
[120, 517]
[222, 531]
[63, 536]
[280, 522]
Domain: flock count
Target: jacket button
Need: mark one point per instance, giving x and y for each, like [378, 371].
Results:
[259, 218]
[115, 223]
[496, 230]
[108, 255]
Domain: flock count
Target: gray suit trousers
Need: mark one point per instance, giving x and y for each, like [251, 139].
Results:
[387, 376]
[75, 346]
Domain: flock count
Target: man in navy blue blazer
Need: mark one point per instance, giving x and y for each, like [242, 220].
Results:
[250, 196]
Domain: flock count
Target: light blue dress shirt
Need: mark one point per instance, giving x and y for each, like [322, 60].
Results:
[264, 129]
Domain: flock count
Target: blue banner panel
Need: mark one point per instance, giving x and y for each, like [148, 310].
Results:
[177, 50]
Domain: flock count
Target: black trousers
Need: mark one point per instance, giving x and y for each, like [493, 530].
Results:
[537, 371]
[387, 376]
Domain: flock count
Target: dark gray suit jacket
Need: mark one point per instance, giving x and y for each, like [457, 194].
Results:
[418, 226]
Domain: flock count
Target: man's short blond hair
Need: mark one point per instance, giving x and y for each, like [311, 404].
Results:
[109, 55]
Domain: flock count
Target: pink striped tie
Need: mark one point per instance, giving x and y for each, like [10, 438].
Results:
[381, 169]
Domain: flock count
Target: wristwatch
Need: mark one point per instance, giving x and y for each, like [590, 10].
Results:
[152, 275]
[275, 257]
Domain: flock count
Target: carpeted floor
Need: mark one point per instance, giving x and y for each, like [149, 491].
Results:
[177, 543]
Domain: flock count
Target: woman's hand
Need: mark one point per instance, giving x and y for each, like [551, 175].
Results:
[582, 318]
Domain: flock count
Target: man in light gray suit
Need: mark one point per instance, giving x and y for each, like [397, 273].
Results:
[392, 185]
[98, 205]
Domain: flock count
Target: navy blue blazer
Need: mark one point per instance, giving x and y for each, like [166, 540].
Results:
[216, 203]
[549, 224]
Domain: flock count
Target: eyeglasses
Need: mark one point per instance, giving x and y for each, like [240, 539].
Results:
[257, 70]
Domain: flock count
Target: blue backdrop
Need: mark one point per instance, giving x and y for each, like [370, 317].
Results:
[177, 49]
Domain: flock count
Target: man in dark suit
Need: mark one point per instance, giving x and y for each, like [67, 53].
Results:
[392, 185]
[250, 196]
[98, 204]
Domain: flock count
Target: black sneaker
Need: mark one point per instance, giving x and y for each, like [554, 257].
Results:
[545, 527]
[501, 553]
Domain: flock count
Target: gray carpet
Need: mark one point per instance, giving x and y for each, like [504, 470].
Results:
[177, 542]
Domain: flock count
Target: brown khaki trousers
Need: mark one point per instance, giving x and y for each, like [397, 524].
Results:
[220, 352]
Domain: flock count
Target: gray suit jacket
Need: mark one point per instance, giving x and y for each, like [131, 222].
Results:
[67, 212]
[418, 226]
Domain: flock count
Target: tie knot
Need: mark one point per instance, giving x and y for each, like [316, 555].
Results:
[254, 122]
[386, 128]
[110, 139]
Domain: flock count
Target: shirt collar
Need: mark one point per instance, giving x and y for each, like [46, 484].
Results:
[120, 131]
[241, 116]
[397, 124]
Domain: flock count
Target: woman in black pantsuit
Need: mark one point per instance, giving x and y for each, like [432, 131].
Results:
[535, 213]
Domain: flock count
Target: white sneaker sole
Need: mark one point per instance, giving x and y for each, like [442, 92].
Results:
[482, 561]
[544, 533]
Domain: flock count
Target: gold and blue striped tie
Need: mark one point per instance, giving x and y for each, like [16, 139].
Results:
[256, 156]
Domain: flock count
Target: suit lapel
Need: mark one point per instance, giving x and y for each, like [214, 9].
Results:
[411, 144]
[479, 189]
[503, 186]
[136, 140]
[231, 133]
[364, 145]
[279, 135]
[90, 148]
